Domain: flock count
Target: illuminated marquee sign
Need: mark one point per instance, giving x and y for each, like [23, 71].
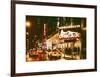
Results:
[69, 35]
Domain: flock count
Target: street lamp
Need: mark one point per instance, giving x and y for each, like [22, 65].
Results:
[28, 24]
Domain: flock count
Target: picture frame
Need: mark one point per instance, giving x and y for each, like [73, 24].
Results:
[23, 9]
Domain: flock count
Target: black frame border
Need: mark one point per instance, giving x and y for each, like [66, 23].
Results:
[13, 37]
